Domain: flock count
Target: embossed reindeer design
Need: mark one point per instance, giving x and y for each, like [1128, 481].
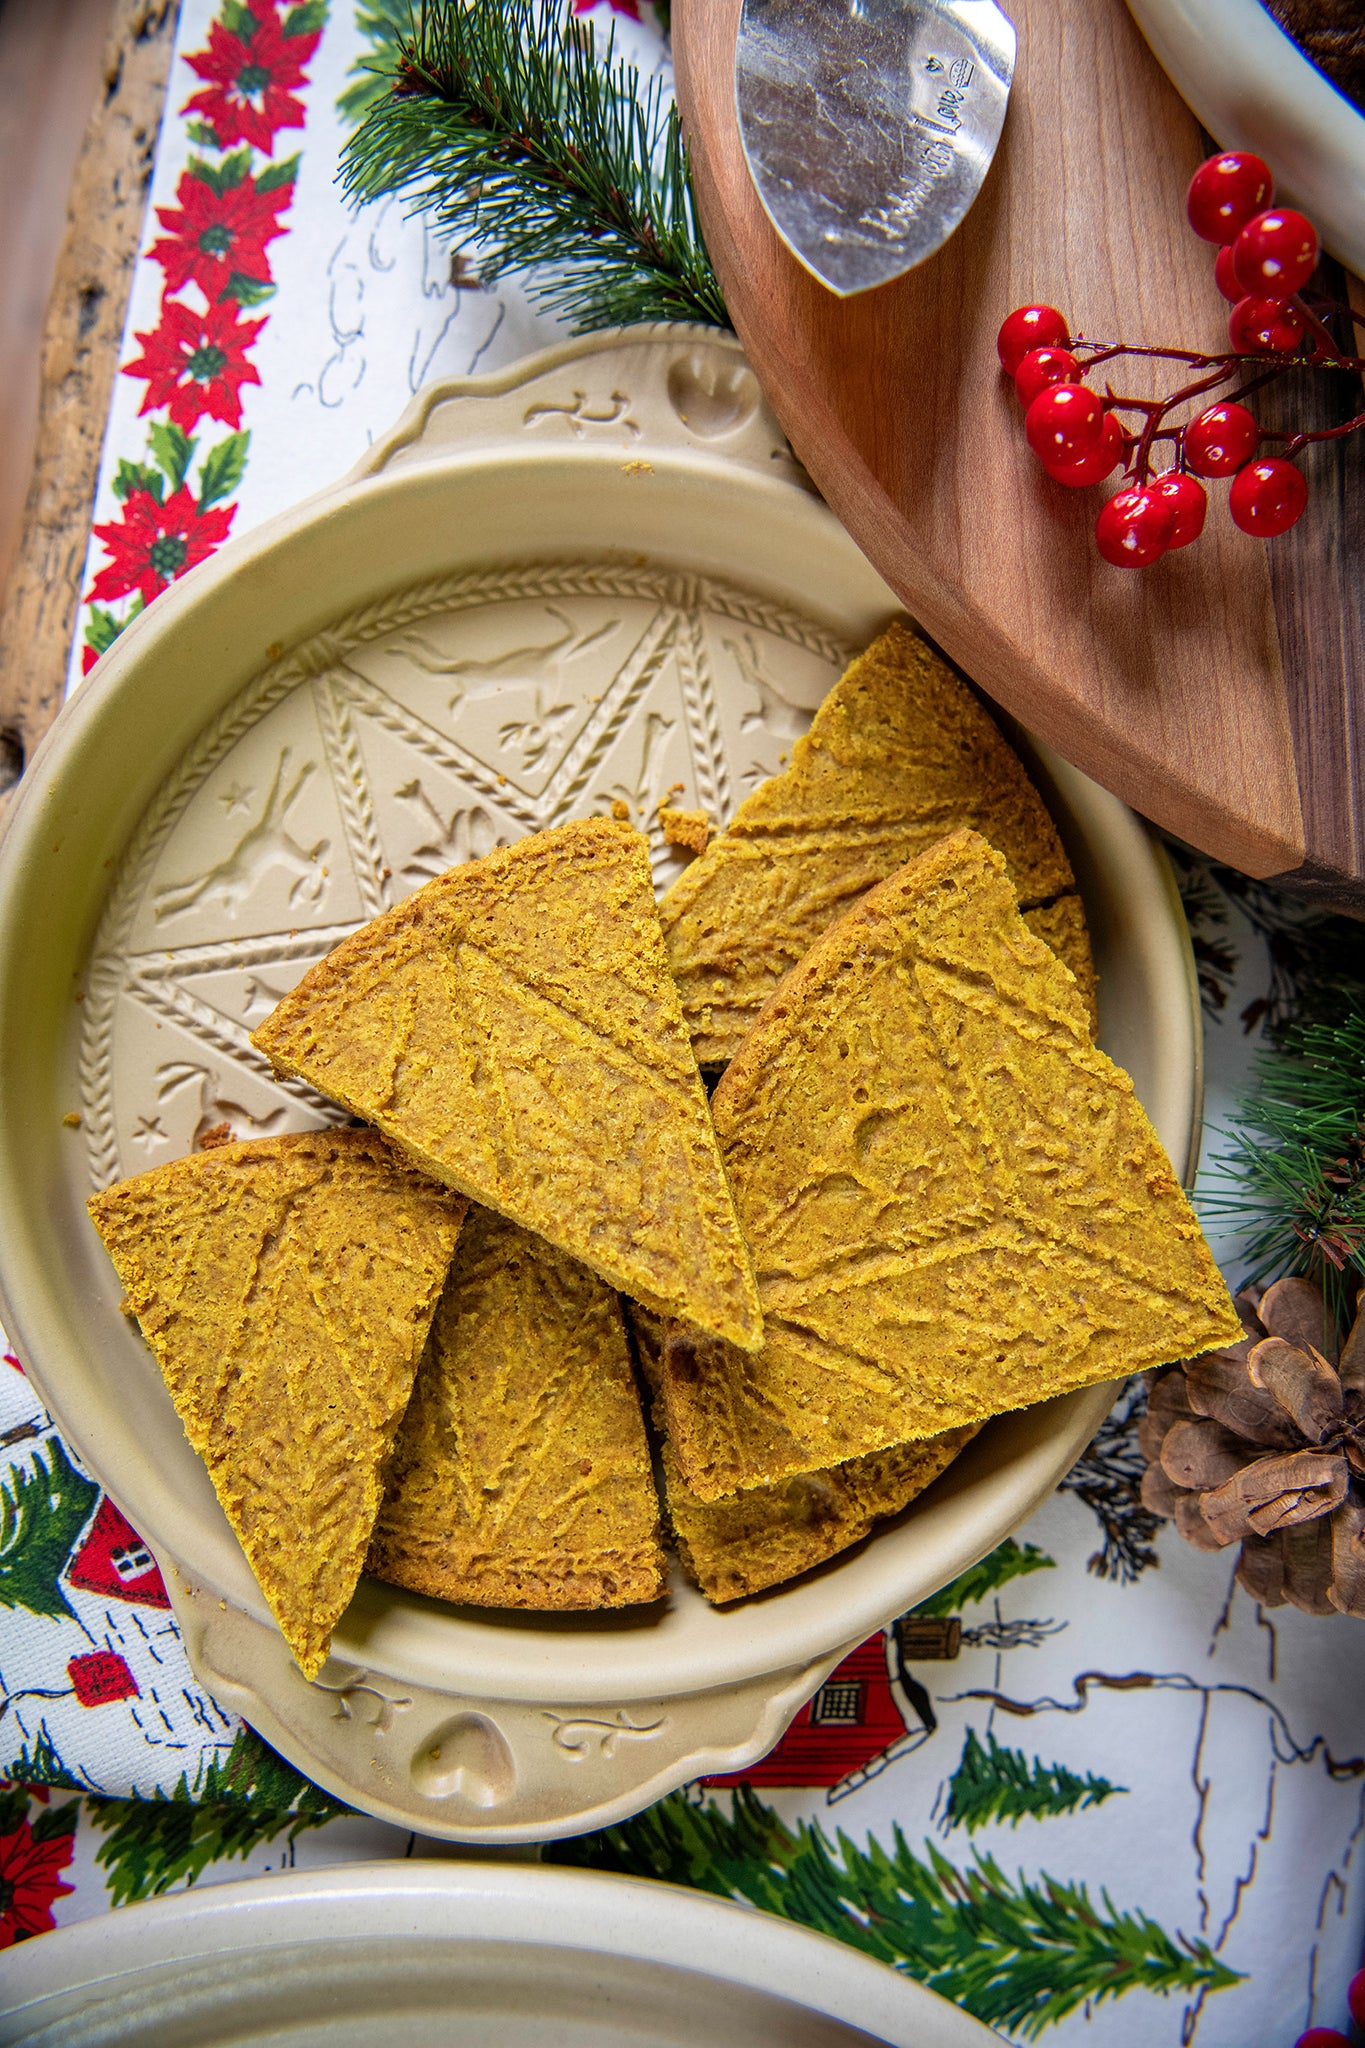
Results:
[539, 664]
[267, 844]
[776, 713]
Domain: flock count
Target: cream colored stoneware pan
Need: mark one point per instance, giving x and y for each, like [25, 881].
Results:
[472, 1955]
[589, 578]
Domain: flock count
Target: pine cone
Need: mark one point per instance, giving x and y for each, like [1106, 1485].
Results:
[1263, 1443]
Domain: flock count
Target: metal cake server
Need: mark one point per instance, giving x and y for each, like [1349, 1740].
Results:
[869, 125]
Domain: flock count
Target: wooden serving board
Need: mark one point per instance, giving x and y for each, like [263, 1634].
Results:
[1221, 692]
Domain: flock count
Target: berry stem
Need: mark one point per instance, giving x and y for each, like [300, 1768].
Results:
[1293, 442]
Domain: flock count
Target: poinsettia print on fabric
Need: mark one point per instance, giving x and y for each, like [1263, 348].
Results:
[232, 200]
[153, 544]
[215, 236]
[32, 1855]
[195, 364]
[252, 68]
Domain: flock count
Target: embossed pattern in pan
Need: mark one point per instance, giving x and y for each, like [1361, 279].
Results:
[415, 733]
[587, 579]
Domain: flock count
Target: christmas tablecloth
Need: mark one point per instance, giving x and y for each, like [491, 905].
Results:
[1090, 1787]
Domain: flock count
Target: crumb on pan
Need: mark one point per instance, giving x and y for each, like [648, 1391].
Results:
[690, 830]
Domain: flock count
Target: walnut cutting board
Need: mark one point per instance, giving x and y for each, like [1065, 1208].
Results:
[1222, 692]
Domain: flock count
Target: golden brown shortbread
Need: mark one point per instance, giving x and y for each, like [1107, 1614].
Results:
[750, 1541]
[514, 1027]
[900, 753]
[1061, 925]
[955, 1203]
[286, 1286]
[521, 1476]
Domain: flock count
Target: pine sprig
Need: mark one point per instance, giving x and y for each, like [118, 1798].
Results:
[1293, 1177]
[993, 1783]
[503, 123]
[1020, 1954]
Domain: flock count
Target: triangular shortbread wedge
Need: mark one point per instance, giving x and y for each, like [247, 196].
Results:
[286, 1286]
[955, 1203]
[521, 1476]
[748, 1542]
[900, 753]
[513, 1026]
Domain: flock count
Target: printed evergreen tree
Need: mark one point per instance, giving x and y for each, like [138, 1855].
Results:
[1019, 1954]
[246, 1801]
[992, 1783]
[44, 1506]
[1009, 1560]
[40, 1765]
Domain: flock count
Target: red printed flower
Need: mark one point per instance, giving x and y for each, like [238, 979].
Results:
[630, 7]
[212, 234]
[195, 363]
[247, 95]
[153, 544]
[29, 1882]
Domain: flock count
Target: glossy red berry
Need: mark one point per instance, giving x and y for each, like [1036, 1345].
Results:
[1133, 529]
[1266, 326]
[1355, 1998]
[1322, 2037]
[1276, 253]
[1041, 367]
[1225, 277]
[1064, 423]
[1030, 327]
[1267, 497]
[1225, 192]
[1220, 439]
[1103, 459]
[1187, 502]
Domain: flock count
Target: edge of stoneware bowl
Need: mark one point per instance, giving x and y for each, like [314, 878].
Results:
[446, 1910]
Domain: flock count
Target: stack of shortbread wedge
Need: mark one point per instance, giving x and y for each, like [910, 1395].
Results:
[918, 1197]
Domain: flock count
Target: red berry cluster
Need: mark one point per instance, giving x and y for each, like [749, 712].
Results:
[1265, 257]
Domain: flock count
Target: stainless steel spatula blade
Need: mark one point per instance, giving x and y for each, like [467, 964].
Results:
[870, 125]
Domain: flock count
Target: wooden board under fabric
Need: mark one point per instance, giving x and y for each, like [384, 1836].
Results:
[81, 336]
[1213, 692]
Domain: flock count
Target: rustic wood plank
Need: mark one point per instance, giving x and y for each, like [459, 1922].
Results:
[49, 62]
[1167, 685]
[81, 341]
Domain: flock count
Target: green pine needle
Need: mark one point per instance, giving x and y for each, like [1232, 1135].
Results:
[1293, 1178]
[1020, 1954]
[992, 1783]
[503, 124]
